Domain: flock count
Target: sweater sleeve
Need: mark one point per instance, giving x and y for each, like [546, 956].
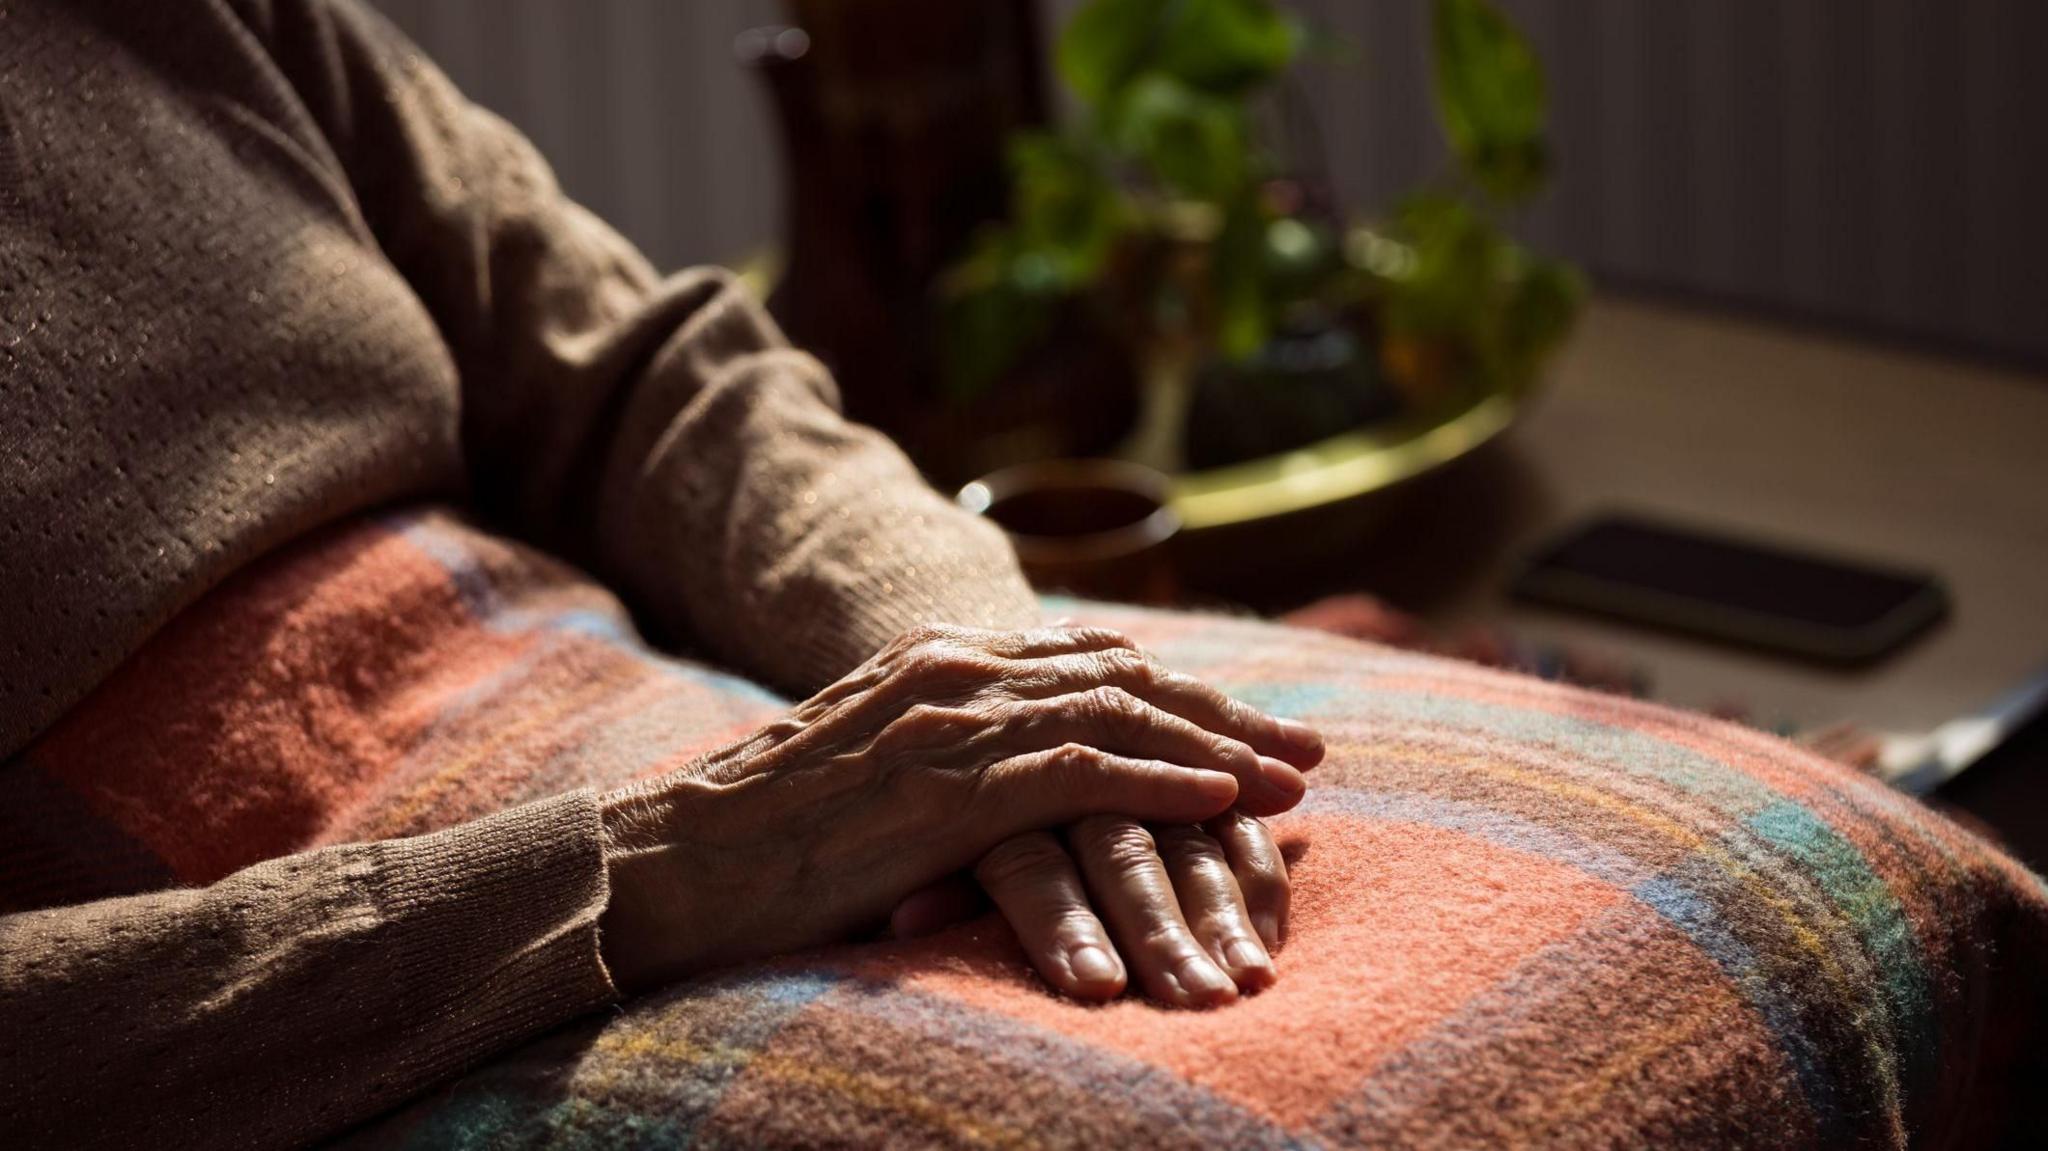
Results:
[301, 995]
[660, 431]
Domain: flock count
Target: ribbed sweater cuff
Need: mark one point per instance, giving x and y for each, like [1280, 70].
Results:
[495, 929]
[959, 592]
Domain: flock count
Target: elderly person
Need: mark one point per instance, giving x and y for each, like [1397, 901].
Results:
[261, 271]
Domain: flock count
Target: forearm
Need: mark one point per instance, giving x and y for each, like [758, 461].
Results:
[792, 541]
[659, 430]
[301, 995]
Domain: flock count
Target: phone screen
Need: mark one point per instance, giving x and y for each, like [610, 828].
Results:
[1733, 590]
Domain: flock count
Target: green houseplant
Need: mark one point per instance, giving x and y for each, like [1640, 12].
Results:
[1167, 212]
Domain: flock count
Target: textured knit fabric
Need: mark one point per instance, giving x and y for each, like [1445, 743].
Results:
[301, 994]
[1524, 914]
[261, 267]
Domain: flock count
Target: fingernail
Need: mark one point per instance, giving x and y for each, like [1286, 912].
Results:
[1217, 786]
[1203, 980]
[1294, 726]
[1283, 778]
[1268, 926]
[1300, 733]
[1092, 965]
[1244, 955]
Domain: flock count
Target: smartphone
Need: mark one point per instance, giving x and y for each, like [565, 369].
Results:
[1733, 590]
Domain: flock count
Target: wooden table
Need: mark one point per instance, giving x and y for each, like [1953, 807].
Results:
[1770, 433]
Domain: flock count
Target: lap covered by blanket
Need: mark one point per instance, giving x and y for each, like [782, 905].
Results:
[1522, 913]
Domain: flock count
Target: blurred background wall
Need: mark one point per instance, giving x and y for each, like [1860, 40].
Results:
[1877, 164]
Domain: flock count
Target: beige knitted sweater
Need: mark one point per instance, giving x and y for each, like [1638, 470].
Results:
[261, 269]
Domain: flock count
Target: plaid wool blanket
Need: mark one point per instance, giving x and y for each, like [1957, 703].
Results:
[1523, 913]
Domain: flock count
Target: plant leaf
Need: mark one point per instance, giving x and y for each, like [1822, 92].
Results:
[1106, 44]
[1194, 143]
[1065, 213]
[1490, 93]
[1227, 47]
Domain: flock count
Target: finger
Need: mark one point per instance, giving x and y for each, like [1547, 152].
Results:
[1135, 896]
[934, 908]
[1062, 784]
[1183, 695]
[1261, 872]
[1038, 643]
[1033, 883]
[1117, 721]
[1209, 901]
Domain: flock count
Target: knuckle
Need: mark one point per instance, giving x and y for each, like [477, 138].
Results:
[1253, 841]
[1125, 846]
[1076, 759]
[943, 663]
[1263, 891]
[1123, 665]
[1262, 880]
[1247, 832]
[1192, 845]
[922, 634]
[1164, 934]
[1085, 831]
[1112, 703]
[1108, 637]
[922, 660]
[1077, 926]
[1028, 857]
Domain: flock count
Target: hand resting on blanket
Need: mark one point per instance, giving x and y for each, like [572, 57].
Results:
[1183, 900]
[960, 748]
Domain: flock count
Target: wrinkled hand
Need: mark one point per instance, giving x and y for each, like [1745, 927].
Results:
[1198, 910]
[946, 744]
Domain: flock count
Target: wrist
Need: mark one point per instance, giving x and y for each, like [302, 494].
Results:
[654, 926]
[624, 940]
[680, 872]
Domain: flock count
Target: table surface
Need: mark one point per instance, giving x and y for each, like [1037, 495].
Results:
[1775, 434]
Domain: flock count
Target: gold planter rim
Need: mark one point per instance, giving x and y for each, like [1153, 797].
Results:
[1343, 467]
